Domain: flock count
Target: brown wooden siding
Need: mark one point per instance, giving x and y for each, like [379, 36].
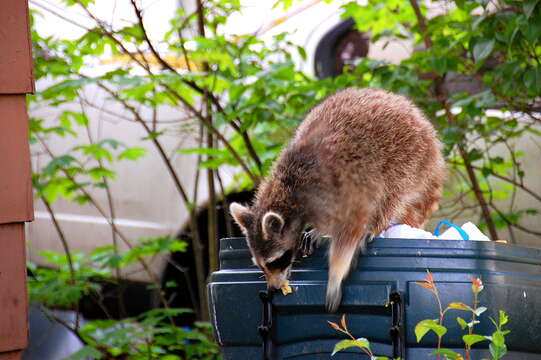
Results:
[16, 80]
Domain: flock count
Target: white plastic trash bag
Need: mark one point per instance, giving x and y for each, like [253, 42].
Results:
[469, 228]
[403, 231]
[468, 231]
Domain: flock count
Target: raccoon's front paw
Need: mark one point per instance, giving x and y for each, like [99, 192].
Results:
[334, 296]
[308, 243]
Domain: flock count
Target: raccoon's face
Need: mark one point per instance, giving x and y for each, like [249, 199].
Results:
[272, 242]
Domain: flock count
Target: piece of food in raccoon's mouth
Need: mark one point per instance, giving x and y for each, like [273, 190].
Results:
[286, 289]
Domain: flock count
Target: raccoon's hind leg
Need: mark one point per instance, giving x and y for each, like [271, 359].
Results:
[423, 206]
[366, 239]
[387, 211]
[344, 248]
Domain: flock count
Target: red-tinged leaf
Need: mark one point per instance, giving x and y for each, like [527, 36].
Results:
[476, 282]
[334, 325]
[430, 278]
[426, 285]
[343, 321]
[477, 285]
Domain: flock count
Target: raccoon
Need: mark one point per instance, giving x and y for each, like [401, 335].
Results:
[360, 160]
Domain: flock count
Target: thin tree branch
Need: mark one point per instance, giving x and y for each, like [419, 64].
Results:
[190, 83]
[62, 237]
[225, 206]
[440, 94]
[510, 223]
[219, 135]
[139, 15]
[478, 192]
[67, 251]
[202, 91]
[141, 260]
[120, 293]
[212, 224]
[510, 181]
[198, 247]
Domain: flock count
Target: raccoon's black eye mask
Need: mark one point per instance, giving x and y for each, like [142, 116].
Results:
[282, 262]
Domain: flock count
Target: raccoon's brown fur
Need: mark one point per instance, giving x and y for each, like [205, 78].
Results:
[361, 159]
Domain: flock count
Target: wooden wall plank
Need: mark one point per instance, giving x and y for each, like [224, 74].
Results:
[16, 203]
[16, 67]
[12, 355]
[16, 80]
[13, 296]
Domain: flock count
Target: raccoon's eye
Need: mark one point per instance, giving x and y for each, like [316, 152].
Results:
[282, 262]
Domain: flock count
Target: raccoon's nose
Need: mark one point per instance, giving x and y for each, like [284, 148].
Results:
[272, 286]
[274, 282]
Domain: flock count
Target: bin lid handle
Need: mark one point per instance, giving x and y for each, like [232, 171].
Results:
[461, 231]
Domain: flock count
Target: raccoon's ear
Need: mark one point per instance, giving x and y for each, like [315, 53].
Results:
[272, 223]
[242, 215]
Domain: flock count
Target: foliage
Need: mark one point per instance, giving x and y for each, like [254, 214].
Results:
[497, 345]
[491, 44]
[241, 98]
[151, 335]
[497, 339]
[148, 336]
[361, 343]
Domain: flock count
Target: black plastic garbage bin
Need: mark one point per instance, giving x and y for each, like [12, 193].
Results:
[295, 326]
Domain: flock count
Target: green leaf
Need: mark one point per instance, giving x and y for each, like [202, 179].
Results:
[529, 6]
[461, 322]
[201, 151]
[153, 135]
[503, 318]
[346, 344]
[60, 162]
[474, 155]
[483, 48]
[532, 80]
[498, 339]
[132, 153]
[363, 343]
[97, 151]
[139, 93]
[421, 329]
[113, 143]
[473, 339]
[450, 354]
[341, 345]
[87, 352]
[480, 310]
[79, 118]
[170, 357]
[497, 352]
[427, 325]
[98, 172]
